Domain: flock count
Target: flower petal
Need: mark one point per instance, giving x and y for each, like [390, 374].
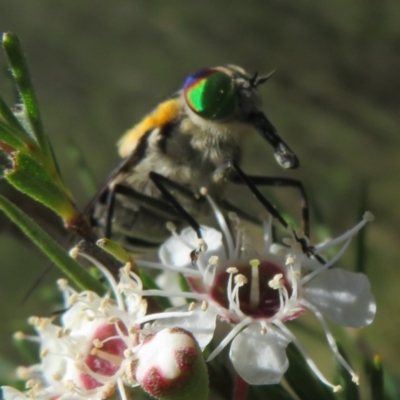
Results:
[176, 251]
[342, 296]
[259, 359]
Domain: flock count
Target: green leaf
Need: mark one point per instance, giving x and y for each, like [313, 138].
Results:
[31, 178]
[14, 125]
[8, 135]
[375, 372]
[52, 249]
[20, 72]
[361, 249]
[302, 380]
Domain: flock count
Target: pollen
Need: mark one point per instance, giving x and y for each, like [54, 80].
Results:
[23, 373]
[290, 260]
[57, 376]
[44, 353]
[232, 270]
[73, 299]
[97, 343]
[62, 284]
[202, 245]
[356, 379]
[127, 353]
[113, 320]
[30, 384]
[74, 252]
[368, 216]
[214, 260]
[19, 335]
[240, 280]
[204, 191]
[263, 330]
[171, 226]
[276, 282]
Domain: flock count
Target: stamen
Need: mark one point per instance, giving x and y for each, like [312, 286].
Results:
[154, 265]
[330, 338]
[204, 305]
[229, 337]
[309, 361]
[255, 284]
[325, 266]
[347, 235]
[19, 335]
[224, 228]
[111, 358]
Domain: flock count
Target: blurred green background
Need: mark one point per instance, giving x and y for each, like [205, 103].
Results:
[99, 66]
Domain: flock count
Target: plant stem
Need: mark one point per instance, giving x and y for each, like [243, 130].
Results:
[240, 389]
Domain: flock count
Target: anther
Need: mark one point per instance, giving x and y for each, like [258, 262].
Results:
[202, 245]
[192, 306]
[113, 320]
[127, 353]
[290, 260]
[30, 383]
[240, 280]
[214, 260]
[44, 353]
[368, 216]
[203, 191]
[127, 268]
[57, 376]
[337, 389]
[276, 282]
[74, 252]
[23, 373]
[171, 226]
[356, 379]
[19, 335]
[62, 283]
[73, 299]
[232, 270]
[97, 343]
[204, 305]
[263, 330]
[232, 216]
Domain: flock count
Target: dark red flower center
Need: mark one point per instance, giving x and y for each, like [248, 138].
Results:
[268, 298]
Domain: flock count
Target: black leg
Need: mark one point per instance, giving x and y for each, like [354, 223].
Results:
[162, 183]
[249, 182]
[282, 182]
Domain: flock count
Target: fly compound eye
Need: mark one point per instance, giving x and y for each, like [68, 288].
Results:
[210, 93]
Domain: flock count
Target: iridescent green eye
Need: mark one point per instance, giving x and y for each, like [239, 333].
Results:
[210, 93]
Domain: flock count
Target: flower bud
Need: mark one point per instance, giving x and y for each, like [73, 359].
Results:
[170, 365]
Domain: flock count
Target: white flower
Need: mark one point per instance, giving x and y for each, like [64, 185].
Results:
[88, 355]
[257, 292]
